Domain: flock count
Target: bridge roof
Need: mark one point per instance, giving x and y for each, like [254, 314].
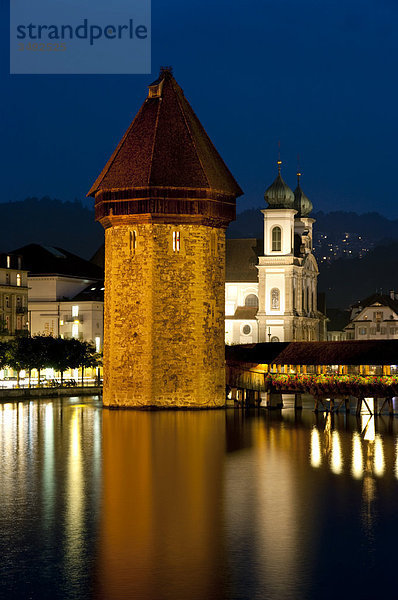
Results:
[350, 352]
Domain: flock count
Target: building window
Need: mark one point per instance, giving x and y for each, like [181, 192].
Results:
[97, 344]
[362, 331]
[275, 299]
[18, 279]
[8, 262]
[274, 338]
[378, 316]
[246, 329]
[75, 311]
[7, 279]
[251, 300]
[75, 330]
[176, 241]
[383, 331]
[7, 301]
[19, 302]
[276, 239]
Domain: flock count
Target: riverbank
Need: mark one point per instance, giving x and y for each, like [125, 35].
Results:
[26, 393]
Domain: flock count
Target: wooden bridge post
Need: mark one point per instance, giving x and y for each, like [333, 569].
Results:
[359, 406]
[298, 402]
[347, 405]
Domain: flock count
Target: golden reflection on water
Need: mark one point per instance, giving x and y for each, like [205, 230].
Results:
[161, 518]
[316, 456]
[357, 459]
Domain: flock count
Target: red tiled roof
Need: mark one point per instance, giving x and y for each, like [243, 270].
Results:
[166, 146]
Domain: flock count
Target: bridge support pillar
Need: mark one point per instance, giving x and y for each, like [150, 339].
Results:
[274, 400]
[298, 402]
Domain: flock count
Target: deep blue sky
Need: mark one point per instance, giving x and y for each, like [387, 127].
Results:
[319, 76]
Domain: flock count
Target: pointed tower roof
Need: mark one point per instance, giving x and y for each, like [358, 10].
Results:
[279, 194]
[302, 203]
[166, 147]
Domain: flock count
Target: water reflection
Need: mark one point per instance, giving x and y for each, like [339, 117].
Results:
[237, 504]
[47, 498]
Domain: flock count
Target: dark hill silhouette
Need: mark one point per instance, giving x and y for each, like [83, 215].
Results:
[347, 281]
[373, 226]
[49, 222]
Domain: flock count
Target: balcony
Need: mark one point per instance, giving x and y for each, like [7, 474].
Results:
[70, 319]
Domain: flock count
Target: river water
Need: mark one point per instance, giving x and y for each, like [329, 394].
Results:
[99, 504]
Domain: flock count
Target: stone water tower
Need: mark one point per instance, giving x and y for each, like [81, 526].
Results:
[165, 198]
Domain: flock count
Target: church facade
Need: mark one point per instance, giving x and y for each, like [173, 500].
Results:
[271, 284]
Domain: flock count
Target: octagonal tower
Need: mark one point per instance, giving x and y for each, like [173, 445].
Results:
[165, 198]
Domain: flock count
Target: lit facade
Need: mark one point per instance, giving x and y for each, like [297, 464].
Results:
[13, 296]
[278, 303]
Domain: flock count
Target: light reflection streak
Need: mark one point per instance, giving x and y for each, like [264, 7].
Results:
[379, 464]
[48, 470]
[316, 457]
[74, 509]
[336, 462]
[357, 458]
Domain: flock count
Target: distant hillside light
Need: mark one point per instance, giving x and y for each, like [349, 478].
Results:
[165, 198]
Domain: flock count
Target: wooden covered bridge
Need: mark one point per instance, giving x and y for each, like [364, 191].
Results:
[334, 373]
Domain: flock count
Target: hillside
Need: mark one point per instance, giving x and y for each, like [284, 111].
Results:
[50, 222]
[347, 281]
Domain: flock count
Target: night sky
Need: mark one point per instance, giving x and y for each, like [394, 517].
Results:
[319, 76]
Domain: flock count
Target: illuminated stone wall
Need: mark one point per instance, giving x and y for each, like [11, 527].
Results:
[164, 315]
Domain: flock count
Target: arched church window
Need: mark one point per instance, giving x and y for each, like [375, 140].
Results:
[275, 299]
[274, 338]
[251, 300]
[276, 239]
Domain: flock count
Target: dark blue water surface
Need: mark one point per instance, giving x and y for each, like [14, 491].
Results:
[194, 505]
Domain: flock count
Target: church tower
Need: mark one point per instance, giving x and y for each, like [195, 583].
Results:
[287, 273]
[165, 198]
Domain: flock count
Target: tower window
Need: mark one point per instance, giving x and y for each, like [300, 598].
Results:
[18, 279]
[176, 241]
[75, 311]
[133, 241]
[8, 262]
[251, 300]
[276, 239]
[275, 299]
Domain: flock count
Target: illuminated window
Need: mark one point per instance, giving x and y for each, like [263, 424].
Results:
[18, 279]
[61, 322]
[8, 262]
[362, 331]
[275, 299]
[75, 330]
[176, 241]
[251, 300]
[75, 311]
[276, 239]
[97, 344]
